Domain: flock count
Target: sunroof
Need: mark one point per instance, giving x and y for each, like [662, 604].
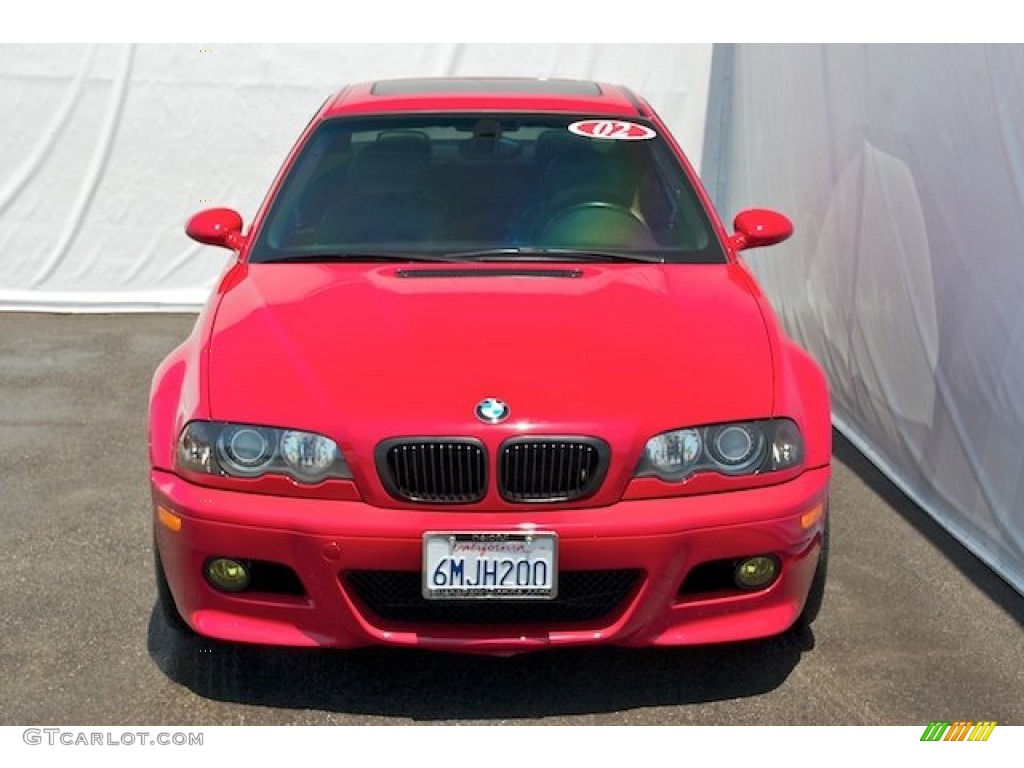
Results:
[480, 85]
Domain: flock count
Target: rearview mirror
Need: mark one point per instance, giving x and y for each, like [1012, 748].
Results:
[758, 227]
[217, 226]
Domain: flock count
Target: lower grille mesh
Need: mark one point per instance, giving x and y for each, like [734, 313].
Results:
[582, 596]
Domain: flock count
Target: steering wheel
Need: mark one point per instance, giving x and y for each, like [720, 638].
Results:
[596, 224]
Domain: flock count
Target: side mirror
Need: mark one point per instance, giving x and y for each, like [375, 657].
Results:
[758, 227]
[217, 226]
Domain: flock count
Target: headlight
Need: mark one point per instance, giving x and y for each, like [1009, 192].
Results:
[308, 455]
[244, 450]
[674, 454]
[248, 450]
[787, 445]
[738, 448]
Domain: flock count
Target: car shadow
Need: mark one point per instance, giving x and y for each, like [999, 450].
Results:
[426, 685]
[971, 566]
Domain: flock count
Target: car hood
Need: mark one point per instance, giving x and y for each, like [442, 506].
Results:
[363, 352]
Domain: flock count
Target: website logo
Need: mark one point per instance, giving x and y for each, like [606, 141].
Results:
[960, 730]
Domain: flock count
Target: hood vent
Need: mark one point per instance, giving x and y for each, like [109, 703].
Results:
[490, 272]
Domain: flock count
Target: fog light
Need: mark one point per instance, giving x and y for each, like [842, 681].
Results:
[227, 574]
[756, 572]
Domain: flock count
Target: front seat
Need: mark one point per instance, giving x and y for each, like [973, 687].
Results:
[383, 202]
[586, 175]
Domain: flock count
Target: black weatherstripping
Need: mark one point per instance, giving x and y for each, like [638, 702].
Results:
[490, 272]
[427, 85]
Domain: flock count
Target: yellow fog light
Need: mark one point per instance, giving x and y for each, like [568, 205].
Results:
[227, 574]
[756, 572]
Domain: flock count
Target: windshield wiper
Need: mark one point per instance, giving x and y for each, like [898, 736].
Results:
[553, 254]
[358, 256]
[529, 253]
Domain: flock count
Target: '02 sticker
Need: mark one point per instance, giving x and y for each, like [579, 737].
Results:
[612, 129]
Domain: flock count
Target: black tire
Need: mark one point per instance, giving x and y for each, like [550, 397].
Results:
[817, 592]
[165, 600]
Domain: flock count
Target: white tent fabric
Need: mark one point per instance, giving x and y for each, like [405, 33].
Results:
[106, 150]
[903, 170]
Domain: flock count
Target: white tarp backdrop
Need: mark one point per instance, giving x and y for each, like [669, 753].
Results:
[903, 170]
[106, 150]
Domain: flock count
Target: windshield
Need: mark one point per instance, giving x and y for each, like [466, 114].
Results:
[486, 187]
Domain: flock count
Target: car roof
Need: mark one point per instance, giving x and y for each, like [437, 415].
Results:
[465, 94]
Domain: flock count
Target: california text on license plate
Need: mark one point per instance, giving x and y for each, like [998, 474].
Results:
[487, 565]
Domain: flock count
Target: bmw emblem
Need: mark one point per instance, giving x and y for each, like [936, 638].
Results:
[492, 410]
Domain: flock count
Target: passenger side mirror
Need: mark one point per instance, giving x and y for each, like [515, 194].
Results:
[217, 226]
[757, 227]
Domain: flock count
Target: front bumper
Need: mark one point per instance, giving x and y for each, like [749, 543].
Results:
[323, 541]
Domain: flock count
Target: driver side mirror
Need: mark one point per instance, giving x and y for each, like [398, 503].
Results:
[757, 227]
[217, 226]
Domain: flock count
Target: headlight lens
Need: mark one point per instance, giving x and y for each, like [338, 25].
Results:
[245, 450]
[787, 445]
[248, 450]
[308, 455]
[738, 448]
[674, 454]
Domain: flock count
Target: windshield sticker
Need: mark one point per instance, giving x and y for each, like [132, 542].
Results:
[612, 129]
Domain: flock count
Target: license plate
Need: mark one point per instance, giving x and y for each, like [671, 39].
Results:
[488, 565]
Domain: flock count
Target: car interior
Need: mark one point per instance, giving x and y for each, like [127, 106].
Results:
[482, 184]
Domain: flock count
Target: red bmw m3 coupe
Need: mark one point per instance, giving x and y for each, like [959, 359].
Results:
[486, 374]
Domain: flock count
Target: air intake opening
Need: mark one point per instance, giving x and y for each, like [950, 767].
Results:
[583, 596]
